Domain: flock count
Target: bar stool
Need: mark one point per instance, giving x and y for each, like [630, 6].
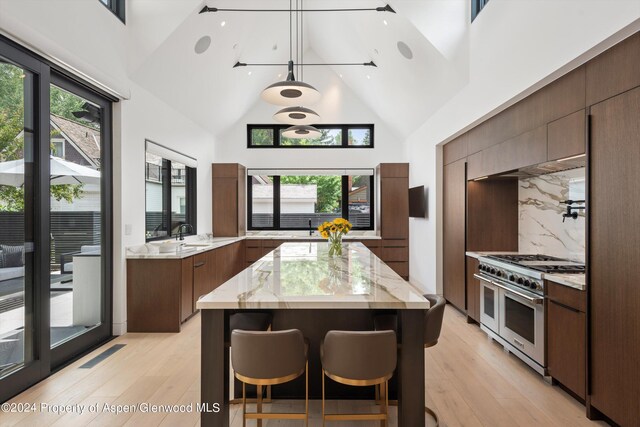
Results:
[432, 328]
[359, 359]
[250, 322]
[269, 358]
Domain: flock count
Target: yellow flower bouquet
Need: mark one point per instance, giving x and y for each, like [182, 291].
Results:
[333, 231]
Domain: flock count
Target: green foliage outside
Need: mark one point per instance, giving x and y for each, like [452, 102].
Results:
[12, 125]
[327, 137]
[329, 190]
[262, 136]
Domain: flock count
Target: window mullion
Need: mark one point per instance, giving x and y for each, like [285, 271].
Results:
[345, 197]
[276, 202]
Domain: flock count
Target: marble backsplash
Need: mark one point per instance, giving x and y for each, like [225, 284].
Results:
[540, 226]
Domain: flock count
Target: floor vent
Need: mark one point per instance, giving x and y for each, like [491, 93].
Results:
[11, 303]
[99, 358]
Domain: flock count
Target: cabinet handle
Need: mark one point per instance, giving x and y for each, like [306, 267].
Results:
[199, 264]
[575, 310]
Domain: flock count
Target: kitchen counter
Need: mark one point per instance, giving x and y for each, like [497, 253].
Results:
[303, 288]
[577, 281]
[303, 276]
[179, 250]
[474, 254]
[192, 245]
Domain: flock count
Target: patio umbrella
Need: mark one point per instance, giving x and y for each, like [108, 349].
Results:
[62, 172]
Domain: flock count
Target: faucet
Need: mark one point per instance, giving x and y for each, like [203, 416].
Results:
[570, 209]
[310, 229]
[181, 229]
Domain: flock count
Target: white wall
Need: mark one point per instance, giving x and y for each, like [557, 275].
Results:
[88, 38]
[338, 105]
[515, 48]
[140, 118]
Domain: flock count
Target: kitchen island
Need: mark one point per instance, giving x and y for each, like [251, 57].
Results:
[306, 289]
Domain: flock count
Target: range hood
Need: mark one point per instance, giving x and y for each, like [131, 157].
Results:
[546, 168]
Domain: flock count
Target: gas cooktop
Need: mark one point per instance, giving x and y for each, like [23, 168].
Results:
[542, 263]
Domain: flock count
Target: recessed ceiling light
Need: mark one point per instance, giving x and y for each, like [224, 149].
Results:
[202, 44]
[280, 75]
[340, 75]
[223, 23]
[368, 76]
[249, 73]
[405, 50]
[384, 21]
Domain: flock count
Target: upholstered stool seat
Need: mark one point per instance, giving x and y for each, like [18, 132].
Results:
[269, 358]
[250, 321]
[359, 359]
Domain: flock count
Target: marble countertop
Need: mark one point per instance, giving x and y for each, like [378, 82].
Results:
[177, 250]
[474, 254]
[172, 249]
[303, 276]
[304, 235]
[577, 281]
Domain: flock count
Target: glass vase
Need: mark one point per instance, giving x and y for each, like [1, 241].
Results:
[335, 245]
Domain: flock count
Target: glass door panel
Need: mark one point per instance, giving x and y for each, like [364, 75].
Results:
[76, 279]
[16, 217]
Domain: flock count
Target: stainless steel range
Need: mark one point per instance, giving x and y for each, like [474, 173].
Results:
[512, 301]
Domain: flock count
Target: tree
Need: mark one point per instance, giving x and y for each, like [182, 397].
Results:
[329, 190]
[327, 137]
[261, 136]
[12, 126]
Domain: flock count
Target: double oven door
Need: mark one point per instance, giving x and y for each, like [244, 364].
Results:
[517, 316]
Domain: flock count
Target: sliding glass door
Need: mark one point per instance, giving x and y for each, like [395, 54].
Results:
[55, 219]
[79, 226]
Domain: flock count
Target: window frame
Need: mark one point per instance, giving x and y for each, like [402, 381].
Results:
[191, 192]
[117, 7]
[276, 204]
[344, 128]
[476, 8]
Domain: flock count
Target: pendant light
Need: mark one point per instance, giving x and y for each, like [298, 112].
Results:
[301, 132]
[296, 116]
[290, 92]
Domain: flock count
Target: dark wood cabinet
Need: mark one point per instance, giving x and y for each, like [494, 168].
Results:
[228, 199]
[566, 336]
[394, 217]
[527, 149]
[454, 226]
[614, 233]
[473, 290]
[614, 71]
[187, 307]
[394, 201]
[566, 137]
[492, 215]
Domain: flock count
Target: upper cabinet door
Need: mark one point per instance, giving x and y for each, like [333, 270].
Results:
[566, 136]
[394, 208]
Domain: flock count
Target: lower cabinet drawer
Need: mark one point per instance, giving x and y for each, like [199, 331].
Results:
[253, 243]
[565, 295]
[253, 254]
[395, 243]
[401, 268]
[395, 254]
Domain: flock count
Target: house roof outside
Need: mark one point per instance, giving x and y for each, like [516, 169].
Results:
[85, 138]
[288, 192]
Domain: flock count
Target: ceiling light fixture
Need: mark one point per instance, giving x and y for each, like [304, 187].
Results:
[223, 23]
[385, 8]
[301, 131]
[290, 92]
[296, 116]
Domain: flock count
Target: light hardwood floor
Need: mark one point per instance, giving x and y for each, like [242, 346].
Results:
[470, 381]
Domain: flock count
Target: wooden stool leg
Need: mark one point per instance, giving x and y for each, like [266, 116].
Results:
[259, 404]
[384, 407]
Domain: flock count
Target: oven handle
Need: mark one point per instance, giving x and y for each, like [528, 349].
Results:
[533, 300]
[484, 279]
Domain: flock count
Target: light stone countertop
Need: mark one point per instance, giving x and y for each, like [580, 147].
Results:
[577, 281]
[303, 276]
[173, 249]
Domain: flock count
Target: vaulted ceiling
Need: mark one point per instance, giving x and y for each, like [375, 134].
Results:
[421, 54]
